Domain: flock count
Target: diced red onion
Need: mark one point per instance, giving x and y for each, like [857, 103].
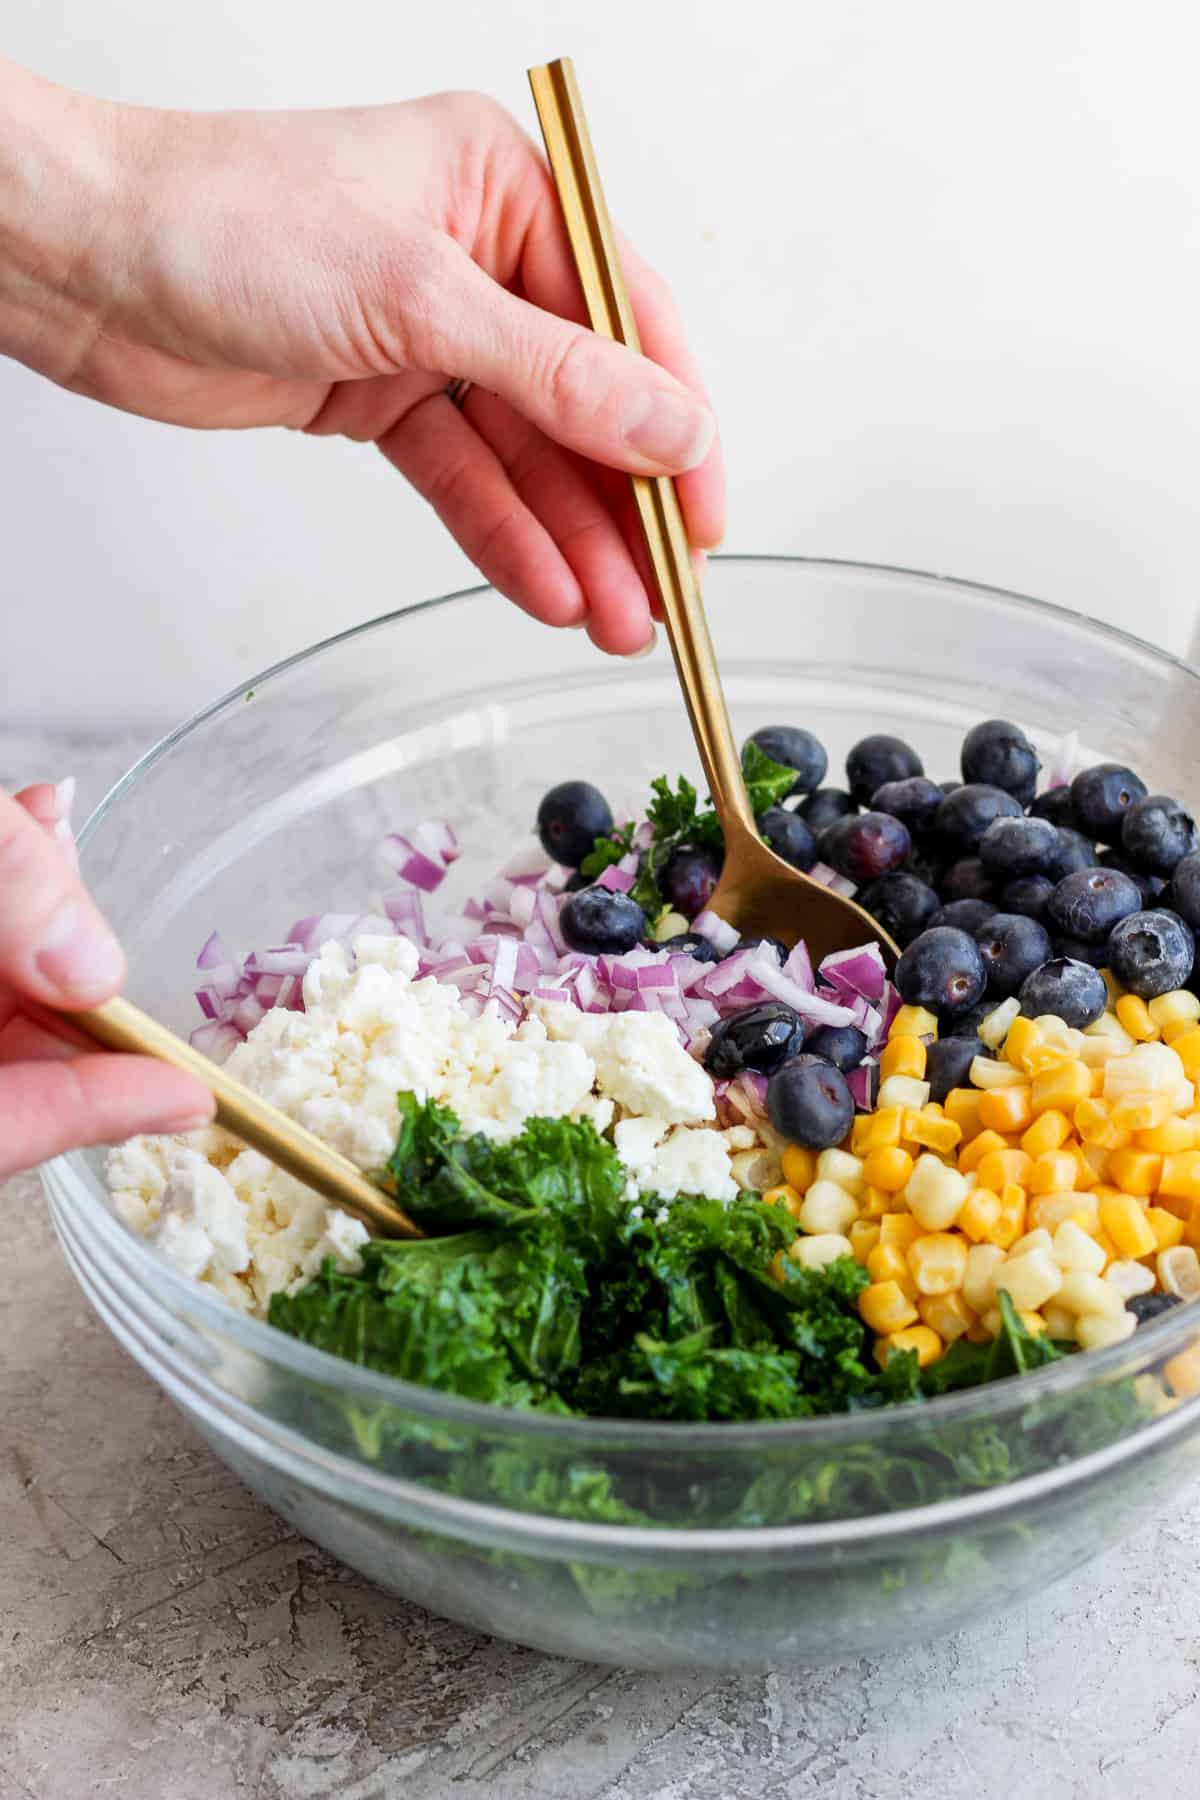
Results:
[827, 877]
[858, 971]
[213, 953]
[406, 913]
[530, 863]
[809, 1006]
[547, 917]
[215, 1041]
[616, 879]
[861, 1082]
[721, 936]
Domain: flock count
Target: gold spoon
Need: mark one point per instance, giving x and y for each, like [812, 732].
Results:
[758, 892]
[118, 1025]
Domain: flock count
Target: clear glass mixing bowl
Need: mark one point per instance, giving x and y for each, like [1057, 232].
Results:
[637, 1544]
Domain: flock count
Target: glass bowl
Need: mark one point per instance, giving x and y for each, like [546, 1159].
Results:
[648, 1545]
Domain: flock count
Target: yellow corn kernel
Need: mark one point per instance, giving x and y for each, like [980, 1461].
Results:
[919, 1338]
[1030, 1279]
[785, 1196]
[1174, 1013]
[1137, 1019]
[1062, 1089]
[979, 1215]
[947, 1314]
[863, 1236]
[1111, 1253]
[904, 1091]
[1169, 1138]
[1140, 1112]
[938, 1262]
[1167, 1229]
[1053, 1172]
[876, 1203]
[883, 1130]
[914, 1021]
[930, 1131]
[972, 1154]
[1125, 1222]
[1097, 1073]
[1096, 1333]
[1091, 1164]
[902, 1055]
[888, 1262]
[1023, 1036]
[989, 1074]
[1082, 1294]
[1059, 1323]
[935, 1193]
[1180, 1175]
[1074, 1249]
[1045, 1058]
[1000, 1167]
[984, 1263]
[1050, 1131]
[858, 1133]
[1179, 1272]
[1093, 1122]
[900, 1229]
[1187, 1048]
[1048, 1211]
[885, 1307]
[888, 1168]
[1135, 1171]
[1012, 1220]
[1182, 1372]
[1006, 1109]
[962, 1107]
[799, 1167]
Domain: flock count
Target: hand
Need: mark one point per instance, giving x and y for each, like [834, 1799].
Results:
[56, 951]
[329, 271]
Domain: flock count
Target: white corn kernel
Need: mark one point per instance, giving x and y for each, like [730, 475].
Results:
[935, 1193]
[755, 1170]
[1058, 1034]
[827, 1207]
[1096, 1051]
[905, 1091]
[1060, 1324]
[994, 1029]
[1084, 1294]
[1174, 1012]
[1107, 1029]
[1149, 1068]
[671, 925]
[984, 1263]
[1038, 1239]
[1074, 1249]
[816, 1252]
[1179, 1272]
[986, 1074]
[1129, 1278]
[846, 1170]
[1096, 1331]
[1030, 1280]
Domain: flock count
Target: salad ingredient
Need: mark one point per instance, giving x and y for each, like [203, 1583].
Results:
[865, 846]
[808, 1101]
[570, 819]
[794, 748]
[1072, 852]
[943, 968]
[690, 876]
[779, 951]
[967, 879]
[1073, 991]
[964, 915]
[788, 836]
[902, 903]
[842, 1045]
[1030, 895]
[1157, 833]
[1100, 798]
[1088, 903]
[690, 943]
[1055, 804]
[965, 814]
[878, 759]
[1151, 953]
[825, 808]
[760, 1038]
[1012, 847]
[996, 753]
[914, 801]
[1183, 895]
[602, 922]
[1012, 947]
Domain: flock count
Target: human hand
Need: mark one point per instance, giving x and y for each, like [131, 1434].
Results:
[329, 271]
[57, 952]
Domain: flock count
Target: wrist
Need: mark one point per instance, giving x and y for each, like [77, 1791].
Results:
[58, 186]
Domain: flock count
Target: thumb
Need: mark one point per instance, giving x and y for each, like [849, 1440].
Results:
[584, 391]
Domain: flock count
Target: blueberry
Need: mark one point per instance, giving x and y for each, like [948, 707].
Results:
[796, 749]
[948, 1064]
[1101, 797]
[602, 922]
[967, 879]
[866, 846]
[1055, 805]
[1029, 894]
[1012, 847]
[570, 819]
[964, 915]
[1150, 887]
[1012, 947]
[1152, 953]
[914, 801]
[901, 903]
[1072, 852]
[688, 878]
[965, 815]
[842, 1045]
[1096, 955]
[825, 807]
[1089, 903]
[759, 1037]
[948, 787]
[1157, 833]
[927, 863]
[809, 1103]
[1185, 890]
[942, 968]
[1145, 1307]
[690, 943]
[1000, 755]
[1071, 990]
[877, 759]
[752, 943]
[788, 836]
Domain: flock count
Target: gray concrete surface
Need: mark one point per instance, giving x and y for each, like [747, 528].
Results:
[163, 1637]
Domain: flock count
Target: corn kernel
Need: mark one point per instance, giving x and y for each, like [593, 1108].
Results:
[1179, 1272]
[1037, 1239]
[914, 1021]
[902, 1055]
[827, 1207]
[1125, 1222]
[1110, 1027]
[980, 1214]
[1091, 1164]
[1053, 1173]
[1181, 1175]
[1182, 1372]
[938, 1262]
[1111, 1253]
[1083, 1294]
[876, 1202]
[900, 1229]
[1074, 1249]
[1006, 1109]
[903, 1091]
[888, 1262]
[799, 1167]
[919, 1338]
[1096, 1050]
[1151, 1068]
[1012, 1220]
[1056, 1031]
[1137, 1019]
[1187, 1048]
[1030, 1279]
[785, 1196]
[947, 1314]
[1093, 1122]
[988, 1074]
[932, 1131]
[885, 1307]
[962, 1107]
[863, 1236]
[1140, 1112]
[935, 1193]
[1032, 1321]
[1096, 1333]
[1135, 1171]
[818, 1251]
[994, 1027]
[1062, 1089]
[1167, 1229]
[1050, 1131]
[1130, 1278]
[1049, 1211]
[1000, 1167]
[1045, 1057]
[840, 1167]
[1059, 1323]
[1023, 1036]
[1169, 1138]
[972, 1154]
[984, 1262]
[1173, 1013]
[888, 1168]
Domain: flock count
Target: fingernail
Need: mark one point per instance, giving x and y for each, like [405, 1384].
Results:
[669, 428]
[79, 955]
[647, 649]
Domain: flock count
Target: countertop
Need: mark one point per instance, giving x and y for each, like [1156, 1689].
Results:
[164, 1637]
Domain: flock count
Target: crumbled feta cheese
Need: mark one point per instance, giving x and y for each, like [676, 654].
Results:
[640, 1062]
[693, 1162]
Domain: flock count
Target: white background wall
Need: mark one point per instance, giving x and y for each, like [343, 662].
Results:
[941, 260]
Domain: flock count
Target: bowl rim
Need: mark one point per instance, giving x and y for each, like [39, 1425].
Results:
[190, 1299]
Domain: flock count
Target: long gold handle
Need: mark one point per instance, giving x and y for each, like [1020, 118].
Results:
[119, 1025]
[589, 229]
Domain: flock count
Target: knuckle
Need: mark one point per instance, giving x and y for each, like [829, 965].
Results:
[570, 378]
